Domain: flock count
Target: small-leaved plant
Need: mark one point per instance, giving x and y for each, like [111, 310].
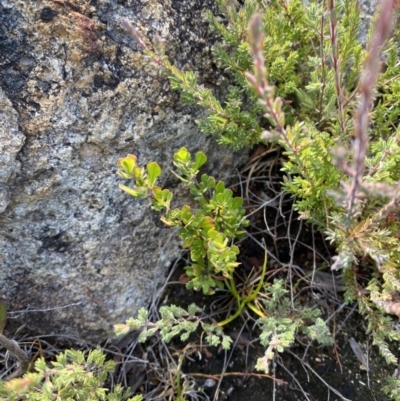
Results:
[73, 376]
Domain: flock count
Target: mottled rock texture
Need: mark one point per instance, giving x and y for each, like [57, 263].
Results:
[76, 254]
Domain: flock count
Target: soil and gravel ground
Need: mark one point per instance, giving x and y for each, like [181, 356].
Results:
[306, 372]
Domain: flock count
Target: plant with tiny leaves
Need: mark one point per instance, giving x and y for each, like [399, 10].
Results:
[73, 376]
[392, 388]
[226, 122]
[279, 322]
[175, 321]
[282, 322]
[355, 216]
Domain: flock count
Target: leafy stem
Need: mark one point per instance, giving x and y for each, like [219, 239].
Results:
[248, 300]
[207, 231]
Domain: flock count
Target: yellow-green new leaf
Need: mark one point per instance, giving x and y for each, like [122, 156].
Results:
[126, 166]
[182, 156]
[201, 159]
[153, 172]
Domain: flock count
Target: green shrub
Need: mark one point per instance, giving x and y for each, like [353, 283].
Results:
[208, 233]
[73, 376]
[315, 83]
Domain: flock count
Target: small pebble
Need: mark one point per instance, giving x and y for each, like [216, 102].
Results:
[229, 391]
[209, 383]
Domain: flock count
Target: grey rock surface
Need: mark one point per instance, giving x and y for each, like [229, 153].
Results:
[77, 255]
[367, 10]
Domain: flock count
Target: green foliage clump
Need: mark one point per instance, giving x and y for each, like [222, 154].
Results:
[302, 78]
[175, 321]
[207, 231]
[73, 376]
[282, 322]
[392, 388]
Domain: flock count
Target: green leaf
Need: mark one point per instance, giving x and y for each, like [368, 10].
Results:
[207, 223]
[237, 203]
[121, 329]
[153, 172]
[182, 156]
[207, 182]
[220, 187]
[126, 166]
[3, 314]
[201, 159]
[165, 195]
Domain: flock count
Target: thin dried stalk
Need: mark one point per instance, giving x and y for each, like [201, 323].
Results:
[383, 27]
[14, 349]
[336, 62]
[259, 82]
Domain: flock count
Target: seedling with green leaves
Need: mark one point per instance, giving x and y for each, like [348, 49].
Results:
[208, 233]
